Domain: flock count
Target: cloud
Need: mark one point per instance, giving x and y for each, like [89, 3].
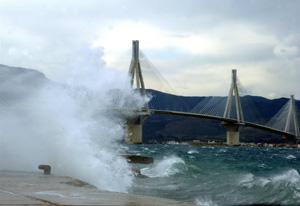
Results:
[180, 38]
[288, 47]
[282, 50]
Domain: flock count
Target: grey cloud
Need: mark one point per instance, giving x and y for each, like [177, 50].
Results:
[48, 35]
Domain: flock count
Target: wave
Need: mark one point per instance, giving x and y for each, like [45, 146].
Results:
[291, 157]
[223, 150]
[193, 152]
[168, 166]
[204, 202]
[289, 177]
[252, 178]
[273, 189]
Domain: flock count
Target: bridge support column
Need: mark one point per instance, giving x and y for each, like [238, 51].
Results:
[233, 133]
[134, 123]
[292, 121]
[233, 128]
[134, 129]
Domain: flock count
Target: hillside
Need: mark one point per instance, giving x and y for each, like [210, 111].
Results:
[17, 84]
[167, 127]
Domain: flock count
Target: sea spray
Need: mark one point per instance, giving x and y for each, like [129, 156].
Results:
[66, 126]
[204, 202]
[166, 167]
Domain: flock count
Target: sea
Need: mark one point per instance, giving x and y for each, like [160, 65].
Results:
[219, 175]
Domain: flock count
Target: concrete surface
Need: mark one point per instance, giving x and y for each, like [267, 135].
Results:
[30, 188]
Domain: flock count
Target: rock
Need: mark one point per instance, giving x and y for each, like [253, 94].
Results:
[131, 158]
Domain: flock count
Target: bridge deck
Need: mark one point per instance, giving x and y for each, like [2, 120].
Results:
[254, 125]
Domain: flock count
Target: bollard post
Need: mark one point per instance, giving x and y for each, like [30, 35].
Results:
[46, 168]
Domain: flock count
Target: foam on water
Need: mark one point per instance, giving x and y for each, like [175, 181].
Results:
[291, 157]
[223, 150]
[288, 180]
[166, 167]
[290, 177]
[205, 202]
[248, 178]
[249, 181]
[193, 152]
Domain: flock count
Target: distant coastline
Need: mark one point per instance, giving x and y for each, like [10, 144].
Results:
[214, 143]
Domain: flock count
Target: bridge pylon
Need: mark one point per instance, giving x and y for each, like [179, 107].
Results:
[292, 118]
[134, 124]
[233, 129]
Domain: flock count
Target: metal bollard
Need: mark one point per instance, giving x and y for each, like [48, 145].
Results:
[46, 168]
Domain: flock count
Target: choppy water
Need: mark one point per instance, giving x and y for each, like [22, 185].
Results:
[214, 175]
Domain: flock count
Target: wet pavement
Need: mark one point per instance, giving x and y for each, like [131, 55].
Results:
[33, 188]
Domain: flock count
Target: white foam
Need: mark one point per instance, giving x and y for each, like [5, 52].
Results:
[193, 152]
[247, 180]
[289, 177]
[165, 167]
[291, 157]
[262, 165]
[204, 201]
[224, 150]
[263, 181]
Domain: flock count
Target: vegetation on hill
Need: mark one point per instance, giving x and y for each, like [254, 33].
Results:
[167, 127]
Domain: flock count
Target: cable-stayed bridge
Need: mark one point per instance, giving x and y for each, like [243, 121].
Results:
[233, 111]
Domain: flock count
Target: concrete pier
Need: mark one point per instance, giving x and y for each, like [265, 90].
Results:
[134, 129]
[233, 133]
[134, 133]
[32, 188]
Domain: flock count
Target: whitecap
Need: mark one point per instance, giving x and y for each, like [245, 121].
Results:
[247, 180]
[205, 201]
[166, 167]
[291, 157]
[193, 152]
[289, 177]
[191, 157]
[262, 165]
[263, 181]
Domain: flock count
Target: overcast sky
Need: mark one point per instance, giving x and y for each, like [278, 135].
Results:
[194, 44]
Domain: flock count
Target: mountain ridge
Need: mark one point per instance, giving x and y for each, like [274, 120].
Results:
[156, 127]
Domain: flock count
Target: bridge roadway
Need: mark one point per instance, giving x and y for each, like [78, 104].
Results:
[250, 124]
[254, 125]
